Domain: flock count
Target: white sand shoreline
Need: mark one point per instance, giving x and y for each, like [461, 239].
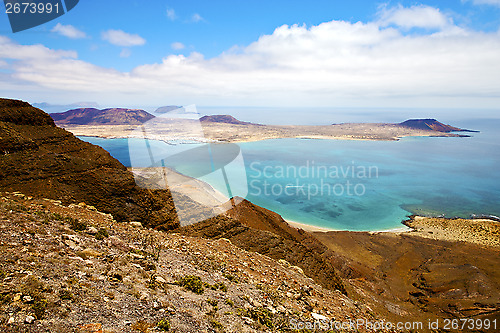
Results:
[313, 228]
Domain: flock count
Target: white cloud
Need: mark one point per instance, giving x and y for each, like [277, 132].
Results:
[121, 38]
[330, 64]
[197, 18]
[125, 53]
[68, 31]
[171, 14]
[177, 46]
[414, 17]
[487, 2]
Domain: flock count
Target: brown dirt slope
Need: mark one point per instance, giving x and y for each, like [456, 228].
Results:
[73, 269]
[257, 229]
[40, 159]
[421, 278]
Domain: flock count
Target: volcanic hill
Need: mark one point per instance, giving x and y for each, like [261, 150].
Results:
[225, 118]
[430, 124]
[92, 116]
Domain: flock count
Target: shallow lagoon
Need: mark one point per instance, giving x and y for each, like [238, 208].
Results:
[359, 185]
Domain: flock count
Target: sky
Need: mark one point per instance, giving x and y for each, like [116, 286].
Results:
[323, 53]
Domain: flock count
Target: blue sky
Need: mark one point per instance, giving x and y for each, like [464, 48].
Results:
[264, 53]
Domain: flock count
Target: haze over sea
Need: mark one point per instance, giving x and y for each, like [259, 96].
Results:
[363, 185]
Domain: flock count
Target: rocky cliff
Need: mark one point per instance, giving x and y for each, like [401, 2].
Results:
[40, 159]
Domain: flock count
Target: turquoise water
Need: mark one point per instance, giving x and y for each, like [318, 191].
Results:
[360, 185]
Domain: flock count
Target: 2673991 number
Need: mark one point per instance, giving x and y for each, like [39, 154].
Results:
[470, 324]
[31, 8]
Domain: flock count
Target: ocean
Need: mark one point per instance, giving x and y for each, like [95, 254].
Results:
[352, 185]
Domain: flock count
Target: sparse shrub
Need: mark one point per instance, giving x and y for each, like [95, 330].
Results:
[163, 325]
[152, 283]
[216, 325]
[261, 315]
[216, 286]
[151, 246]
[212, 302]
[192, 283]
[39, 307]
[57, 217]
[101, 234]
[229, 302]
[75, 224]
[65, 294]
[231, 278]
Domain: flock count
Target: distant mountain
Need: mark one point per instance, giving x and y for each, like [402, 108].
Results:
[430, 124]
[172, 109]
[227, 119]
[92, 116]
[53, 108]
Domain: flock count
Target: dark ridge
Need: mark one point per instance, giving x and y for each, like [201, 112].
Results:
[22, 113]
[111, 116]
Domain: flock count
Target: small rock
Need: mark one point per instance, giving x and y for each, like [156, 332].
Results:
[270, 308]
[11, 320]
[17, 297]
[159, 279]
[247, 320]
[135, 224]
[127, 323]
[317, 316]
[29, 319]
[255, 303]
[280, 308]
[297, 269]
[27, 299]
[92, 230]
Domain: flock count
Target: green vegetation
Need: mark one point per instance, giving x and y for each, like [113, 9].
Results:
[216, 286]
[213, 302]
[39, 306]
[229, 302]
[261, 315]
[216, 325]
[231, 278]
[65, 294]
[192, 283]
[101, 234]
[163, 325]
[75, 224]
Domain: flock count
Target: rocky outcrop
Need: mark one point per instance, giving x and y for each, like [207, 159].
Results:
[91, 116]
[39, 159]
